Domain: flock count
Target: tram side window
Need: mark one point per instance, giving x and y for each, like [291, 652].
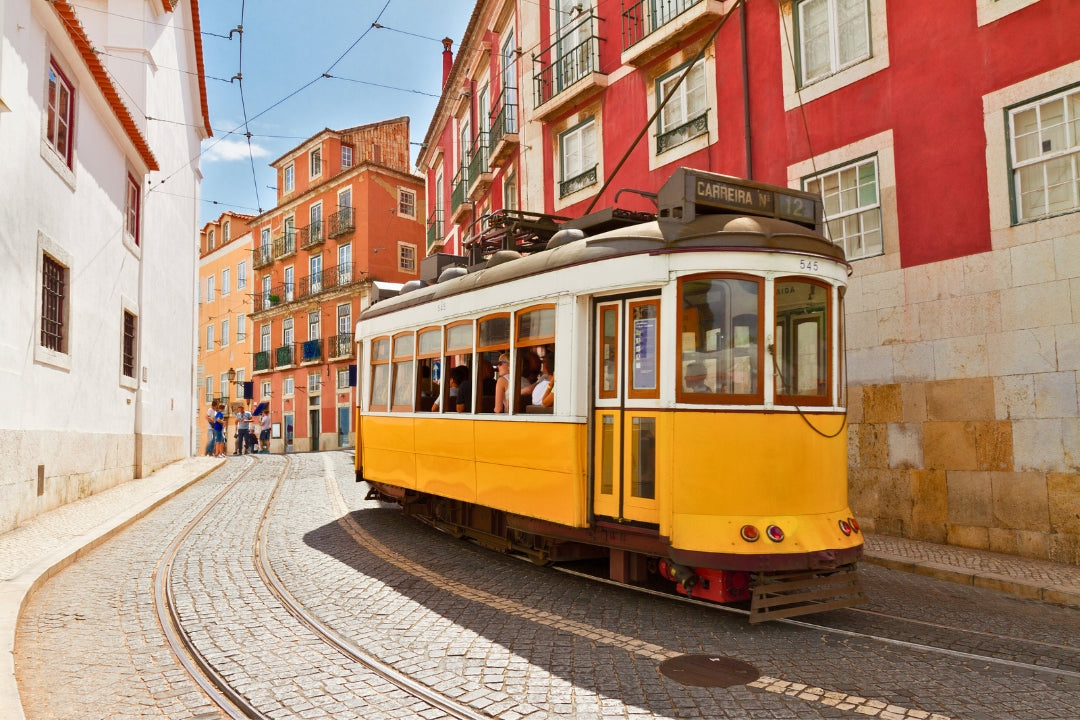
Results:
[380, 374]
[535, 369]
[719, 351]
[802, 341]
[458, 354]
[428, 370]
[403, 373]
[492, 346]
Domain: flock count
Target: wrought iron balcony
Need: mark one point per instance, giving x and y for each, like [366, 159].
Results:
[479, 172]
[650, 26]
[262, 256]
[572, 185]
[435, 230]
[310, 285]
[285, 244]
[340, 346]
[312, 351]
[504, 127]
[576, 56]
[683, 133]
[340, 223]
[285, 356]
[311, 236]
[459, 196]
[262, 360]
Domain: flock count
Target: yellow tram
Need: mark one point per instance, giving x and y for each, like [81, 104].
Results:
[696, 431]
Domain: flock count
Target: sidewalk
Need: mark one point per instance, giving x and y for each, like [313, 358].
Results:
[34, 552]
[45, 545]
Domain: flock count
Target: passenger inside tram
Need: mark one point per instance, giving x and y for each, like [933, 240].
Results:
[461, 388]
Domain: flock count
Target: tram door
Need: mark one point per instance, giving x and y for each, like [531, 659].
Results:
[626, 381]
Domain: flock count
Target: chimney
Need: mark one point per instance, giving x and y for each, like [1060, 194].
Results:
[447, 59]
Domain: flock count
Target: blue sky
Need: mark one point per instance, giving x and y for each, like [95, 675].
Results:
[379, 73]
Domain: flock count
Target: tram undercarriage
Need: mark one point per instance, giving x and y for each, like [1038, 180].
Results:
[640, 557]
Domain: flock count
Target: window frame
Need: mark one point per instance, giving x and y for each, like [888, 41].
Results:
[315, 162]
[133, 209]
[836, 64]
[403, 362]
[422, 355]
[859, 211]
[466, 351]
[632, 391]
[564, 136]
[288, 178]
[830, 357]
[405, 249]
[347, 156]
[719, 398]
[407, 206]
[1043, 159]
[380, 355]
[54, 341]
[241, 275]
[681, 96]
[521, 343]
[52, 115]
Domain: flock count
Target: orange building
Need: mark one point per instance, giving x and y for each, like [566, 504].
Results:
[225, 302]
[348, 224]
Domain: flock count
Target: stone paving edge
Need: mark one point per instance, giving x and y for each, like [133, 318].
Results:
[16, 591]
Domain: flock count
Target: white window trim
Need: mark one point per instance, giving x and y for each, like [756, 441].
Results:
[226, 282]
[311, 165]
[288, 178]
[241, 275]
[594, 113]
[881, 145]
[130, 306]
[1003, 234]
[61, 360]
[879, 59]
[702, 141]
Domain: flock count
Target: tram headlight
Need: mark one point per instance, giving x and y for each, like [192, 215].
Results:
[749, 533]
[775, 533]
[845, 527]
[854, 524]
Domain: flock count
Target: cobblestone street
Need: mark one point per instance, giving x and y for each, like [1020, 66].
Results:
[496, 635]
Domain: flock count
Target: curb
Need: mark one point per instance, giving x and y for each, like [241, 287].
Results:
[15, 592]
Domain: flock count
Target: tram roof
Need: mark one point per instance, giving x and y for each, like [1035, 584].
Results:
[716, 232]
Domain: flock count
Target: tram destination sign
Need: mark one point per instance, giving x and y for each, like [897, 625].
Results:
[689, 193]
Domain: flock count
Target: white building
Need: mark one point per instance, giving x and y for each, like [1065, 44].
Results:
[102, 110]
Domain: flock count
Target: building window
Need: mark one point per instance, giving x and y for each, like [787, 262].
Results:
[510, 192]
[128, 359]
[289, 180]
[131, 215]
[54, 280]
[266, 294]
[314, 383]
[342, 378]
[226, 281]
[1045, 150]
[265, 389]
[315, 158]
[210, 240]
[264, 337]
[224, 332]
[852, 207]
[209, 337]
[831, 35]
[241, 328]
[224, 385]
[226, 233]
[241, 275]
[287, 387]
[61, 113]
[209, 388]
[287, 332]
[406, 257]
[406, 203]
[346, 156]
[313, 332]
[685, 116]
[210, 289]
[577, 158]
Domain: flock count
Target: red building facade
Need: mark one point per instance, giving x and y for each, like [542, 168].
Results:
[948, 156]
[348, 221]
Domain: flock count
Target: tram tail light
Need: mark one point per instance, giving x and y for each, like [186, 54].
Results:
[854, 524]
[749, 533]
[775, 533]
[845, 527]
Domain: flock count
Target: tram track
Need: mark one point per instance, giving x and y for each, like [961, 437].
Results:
[213, 681]
[834, 630]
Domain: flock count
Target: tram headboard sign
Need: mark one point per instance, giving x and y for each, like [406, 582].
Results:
[690, 193]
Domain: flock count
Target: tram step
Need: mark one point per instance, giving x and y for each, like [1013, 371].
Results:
[782, 595]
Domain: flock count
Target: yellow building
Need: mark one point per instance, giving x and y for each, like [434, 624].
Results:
[225, 303]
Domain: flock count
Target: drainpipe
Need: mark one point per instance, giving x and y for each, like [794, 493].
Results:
[746, 94]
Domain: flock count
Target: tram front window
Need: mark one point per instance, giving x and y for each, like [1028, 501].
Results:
[719, 349]
[802, 341]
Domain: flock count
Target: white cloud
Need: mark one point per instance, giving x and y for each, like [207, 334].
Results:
[230, 149]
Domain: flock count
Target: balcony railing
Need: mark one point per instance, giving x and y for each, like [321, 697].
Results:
[683, 133]
[434, 229]
[312, 350]
[285, 244]
[285, 356]
[478, 161]
[575, 57]
[504, 116]
[262, 256]
[311, 235]
[584, 180]
[340, 223]
[262, 360]
[643, 17]
[460, 194]
[340, 346]
[328, 279]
